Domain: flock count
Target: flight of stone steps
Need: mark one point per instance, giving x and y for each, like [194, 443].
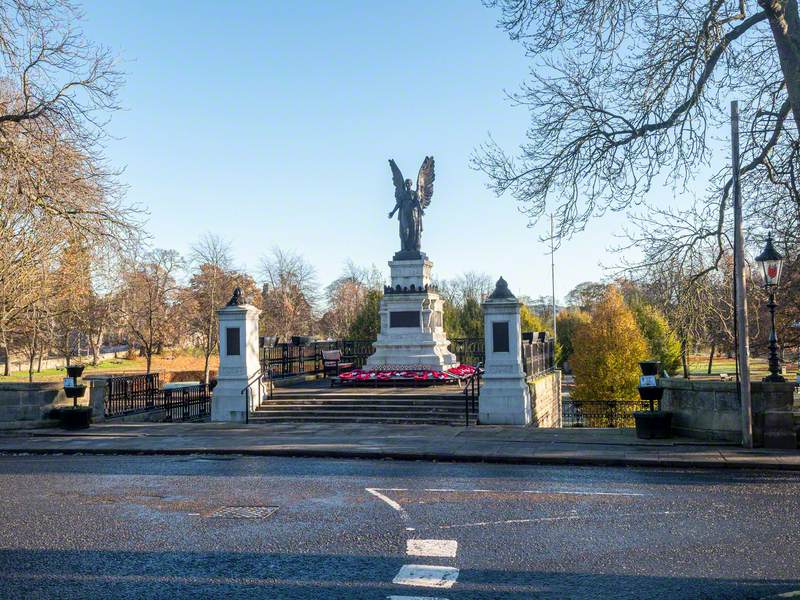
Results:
[423, 406]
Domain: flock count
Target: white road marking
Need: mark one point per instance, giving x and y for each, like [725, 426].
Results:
[413, 598]
[389, 501]
[794, 594]
[426, 576]
[486, 491]
[447, 548]
[565, 492]
[546, 519]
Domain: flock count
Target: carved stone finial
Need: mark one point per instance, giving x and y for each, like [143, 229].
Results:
[501, 291]
[237, 299]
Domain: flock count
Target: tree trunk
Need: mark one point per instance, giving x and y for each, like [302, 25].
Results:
[711, 357]
[67, 349]
[32, 353]
[148, 356]
[4, 342]
[684, 360]
[39, 362]
[785, 25]
[94, 346]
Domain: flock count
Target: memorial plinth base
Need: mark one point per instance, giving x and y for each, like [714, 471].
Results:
[505, 399]
[412, 333]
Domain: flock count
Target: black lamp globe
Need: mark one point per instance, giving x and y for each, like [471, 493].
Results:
[771, 262]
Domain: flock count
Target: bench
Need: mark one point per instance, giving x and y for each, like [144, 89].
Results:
[332, 363]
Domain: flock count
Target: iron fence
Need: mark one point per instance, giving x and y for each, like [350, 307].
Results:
[189, 403]
[600, 413]
[468, 351]
[538, 356]
[287, 360]
[133, 394]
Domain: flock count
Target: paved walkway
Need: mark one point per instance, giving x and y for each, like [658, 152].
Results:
[404, 442]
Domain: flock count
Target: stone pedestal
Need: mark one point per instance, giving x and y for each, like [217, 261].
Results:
[238, 363]
[505, 397]
[412, 331]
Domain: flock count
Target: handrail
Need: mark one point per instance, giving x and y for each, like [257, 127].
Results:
[256, 376]
[472, 391]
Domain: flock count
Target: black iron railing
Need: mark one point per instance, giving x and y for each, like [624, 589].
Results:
[468, 351]
[600, 413]
[287, 360]
[189, 403]
[141, 393]
[472, 393]
[538, 356]
[132, 393]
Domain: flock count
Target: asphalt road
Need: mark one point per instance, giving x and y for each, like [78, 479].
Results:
[173, 527]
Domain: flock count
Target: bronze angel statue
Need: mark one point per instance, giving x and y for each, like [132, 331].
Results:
[411, 204]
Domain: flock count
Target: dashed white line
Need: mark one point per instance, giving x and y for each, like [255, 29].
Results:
[487, 491]
[546, 519]
[447, 548]
[426, 576]
[564, 492]
[413, 598]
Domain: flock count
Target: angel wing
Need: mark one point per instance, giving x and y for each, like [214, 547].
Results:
[397, 178]
[425, 182]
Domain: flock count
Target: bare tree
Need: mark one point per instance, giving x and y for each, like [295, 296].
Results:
[212, 282]
[624, 94]
[346, 296]
[148, 299]
[467, 286]
[289, 295]
[60, 80]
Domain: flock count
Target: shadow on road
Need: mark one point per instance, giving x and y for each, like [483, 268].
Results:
[119, 574]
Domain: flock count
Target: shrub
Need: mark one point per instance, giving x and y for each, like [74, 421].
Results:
[367, 322]
[607, 351]
[568, 321]
[529, 321]
[662, 342]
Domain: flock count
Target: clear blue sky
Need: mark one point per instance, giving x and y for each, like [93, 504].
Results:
[271, 123]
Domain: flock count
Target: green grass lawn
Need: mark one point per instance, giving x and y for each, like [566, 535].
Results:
[113, 364]
[698, 365]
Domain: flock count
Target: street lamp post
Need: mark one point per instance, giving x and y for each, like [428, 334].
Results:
[771, 262]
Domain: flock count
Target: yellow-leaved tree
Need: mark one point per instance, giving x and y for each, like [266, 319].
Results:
[607, 351]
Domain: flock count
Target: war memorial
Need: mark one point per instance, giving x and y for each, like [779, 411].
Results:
[411, 351]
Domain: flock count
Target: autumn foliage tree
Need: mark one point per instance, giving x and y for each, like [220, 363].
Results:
[568, 322]
[607, 351]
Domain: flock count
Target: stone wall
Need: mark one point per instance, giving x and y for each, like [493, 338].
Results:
[30, 404]
[710, 410]
[546, 400]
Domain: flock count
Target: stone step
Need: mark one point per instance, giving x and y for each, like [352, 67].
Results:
[313, 410]
[357, 410]
[311, 395]
[268, 418]
[361, 402]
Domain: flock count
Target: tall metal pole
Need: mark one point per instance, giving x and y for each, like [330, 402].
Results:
[740, 287]
[553, 278]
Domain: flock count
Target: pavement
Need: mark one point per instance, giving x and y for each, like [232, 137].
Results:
[252, 527]
[491, 444]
